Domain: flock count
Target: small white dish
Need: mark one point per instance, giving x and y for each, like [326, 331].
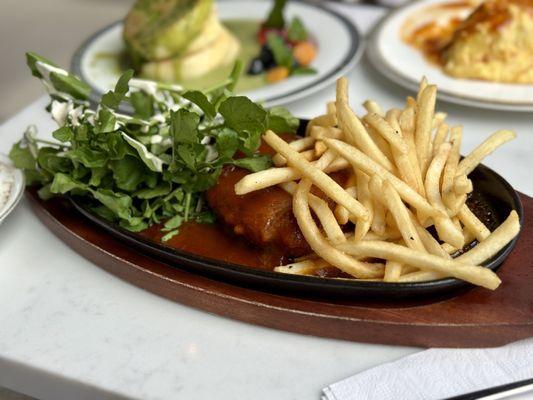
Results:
[339, 49]
[406, 65]
[17, 188]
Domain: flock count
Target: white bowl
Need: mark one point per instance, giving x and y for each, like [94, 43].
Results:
[16, 190]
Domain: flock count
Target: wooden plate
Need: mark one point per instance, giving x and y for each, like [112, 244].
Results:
[474, 318]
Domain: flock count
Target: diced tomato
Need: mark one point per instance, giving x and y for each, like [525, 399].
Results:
[263, 32]
[304, 52]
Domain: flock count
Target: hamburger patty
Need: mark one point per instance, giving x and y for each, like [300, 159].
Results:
[263, 217]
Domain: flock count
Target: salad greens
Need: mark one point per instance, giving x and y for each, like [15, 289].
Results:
[149, 167]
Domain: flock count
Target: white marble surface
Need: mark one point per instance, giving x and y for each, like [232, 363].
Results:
[70, 330]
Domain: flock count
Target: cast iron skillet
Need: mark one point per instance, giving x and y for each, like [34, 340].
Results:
[501, 199]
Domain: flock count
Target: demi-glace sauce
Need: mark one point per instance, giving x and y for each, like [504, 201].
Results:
[215, 242]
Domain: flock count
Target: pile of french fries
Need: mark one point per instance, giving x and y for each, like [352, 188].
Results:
[405, 175]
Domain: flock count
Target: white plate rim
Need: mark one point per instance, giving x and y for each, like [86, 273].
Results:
[383, 66]
[17, 189]
[343, 66]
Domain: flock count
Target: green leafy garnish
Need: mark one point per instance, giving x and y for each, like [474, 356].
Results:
[56, 78]
[303, 71]
[275, 17]
[296, 31]
[149, 168]
[280, 50]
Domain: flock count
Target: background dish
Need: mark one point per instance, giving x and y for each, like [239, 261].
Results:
[500, 194]
[16, 190]
[331, 62]
[405, 66]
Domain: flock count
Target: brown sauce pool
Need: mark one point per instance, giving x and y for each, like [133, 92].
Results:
[213, 241]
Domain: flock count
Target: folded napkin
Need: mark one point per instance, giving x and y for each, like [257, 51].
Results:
[439, 374]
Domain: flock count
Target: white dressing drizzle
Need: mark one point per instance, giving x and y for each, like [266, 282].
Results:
[153, 162]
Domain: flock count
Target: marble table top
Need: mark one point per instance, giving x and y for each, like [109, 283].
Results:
[70, 330]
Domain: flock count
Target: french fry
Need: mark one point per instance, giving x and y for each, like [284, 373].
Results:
[327, 220]
[275, 176]
[320, 246]
[320, 148]
[456, 204]
[497, 240]
[360, 161]
[424, 124]
[421, 87]
[473, 224]
[306, 267]
[331, 108]
[378, 222]
[341, 92]
[374, 236]
[402, 160]
[372, 107]
[382, 144]
[342, 213]
[317, 176]
[405, 175]
[407, 125]
[309, 155]
[356, 134]
[354, 130]
[362, 227]
[448, 176]
[326, 120]
[299, 145]
[324, 214]
[410, 102]
[321, 132]
[393, 137]
[395, 205]
[439, 119]
[325, 160]
[429, 242]
[393, 118]
[440, 137]
[389, 251]
[462, 185]
[421, 276]
[393, 270]
[469, 236]
[446, 230]
[473, 159]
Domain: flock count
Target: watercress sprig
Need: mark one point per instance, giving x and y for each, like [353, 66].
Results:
[149, 167]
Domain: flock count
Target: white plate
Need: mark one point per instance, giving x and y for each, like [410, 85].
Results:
[338, 41]
[16, 190]
[406, 65]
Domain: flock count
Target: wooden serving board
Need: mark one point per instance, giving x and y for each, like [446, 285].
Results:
[475, 318]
